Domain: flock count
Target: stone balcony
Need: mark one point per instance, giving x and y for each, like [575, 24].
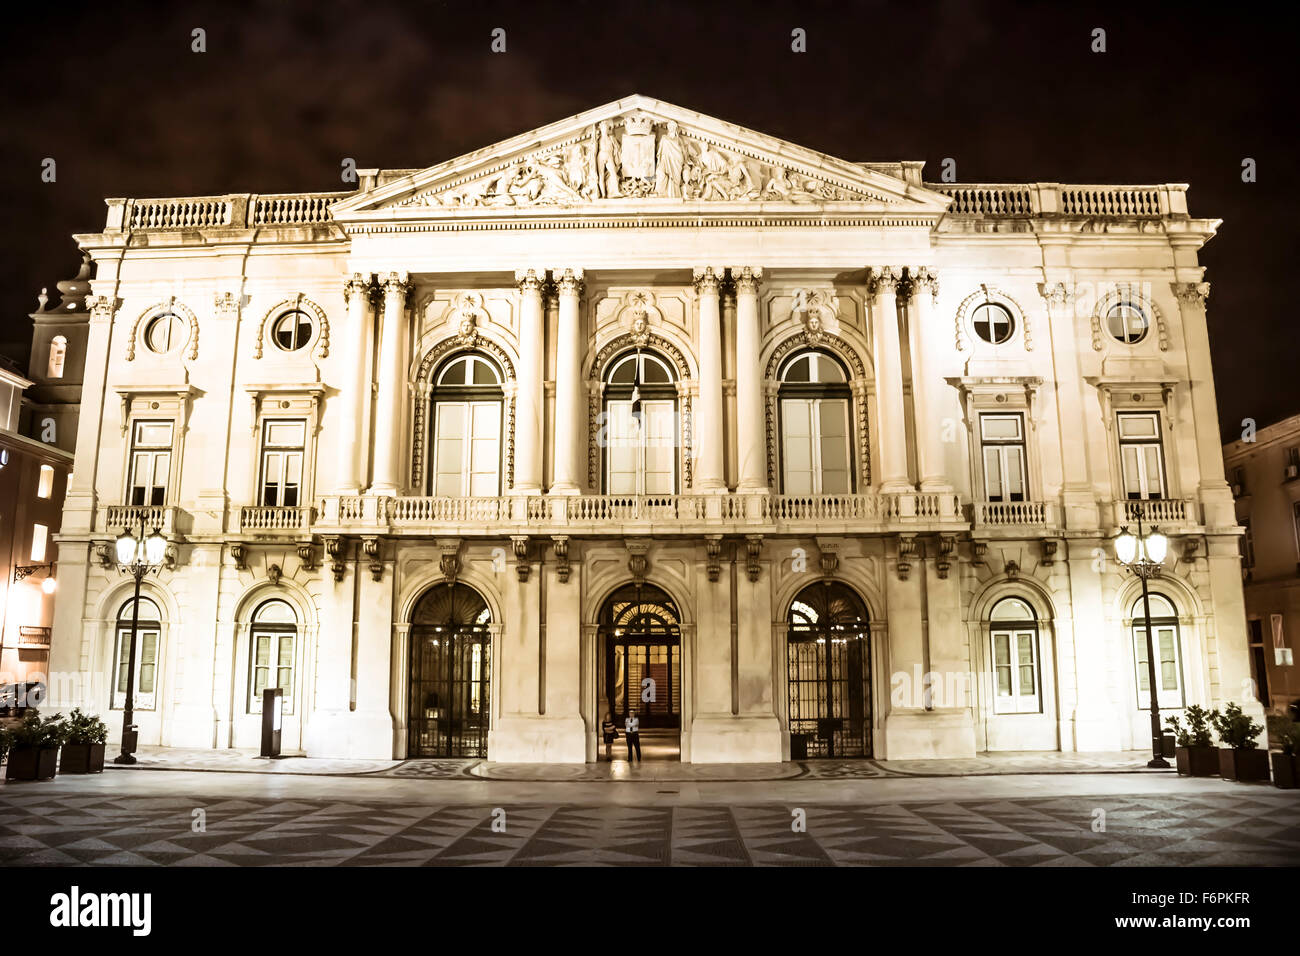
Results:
[118, 517]
[1170, 514]
[1005, 519]
[640, 514]
[266, 521]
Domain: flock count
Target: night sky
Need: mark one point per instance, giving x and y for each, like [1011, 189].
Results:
[1012, 92]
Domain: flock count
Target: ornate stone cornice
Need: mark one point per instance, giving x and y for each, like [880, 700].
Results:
[1191, 293]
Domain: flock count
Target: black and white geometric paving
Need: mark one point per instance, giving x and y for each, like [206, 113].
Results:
[1247, 827]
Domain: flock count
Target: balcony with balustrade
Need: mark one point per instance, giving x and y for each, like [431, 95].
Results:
[1014, 519]
[1172, 515]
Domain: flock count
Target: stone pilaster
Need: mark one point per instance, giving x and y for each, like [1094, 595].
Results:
[708, 437]
[350, 470]
[529, 399]
[392, 382]
[889, 378]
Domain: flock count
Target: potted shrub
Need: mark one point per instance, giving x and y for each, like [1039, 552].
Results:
[34, 747]
[1286, 765]
[1194, 752]
[1239, 758]
[83, 748]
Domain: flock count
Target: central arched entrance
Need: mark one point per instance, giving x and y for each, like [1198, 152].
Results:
[641, 668]
[451, 668]
[828, 673]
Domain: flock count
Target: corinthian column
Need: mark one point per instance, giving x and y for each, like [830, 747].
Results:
[751, 433]
[569, 390]
[923, 287]
[355, 387]
[889, 376]
[528, 401]
[392, 385]
[708, 406]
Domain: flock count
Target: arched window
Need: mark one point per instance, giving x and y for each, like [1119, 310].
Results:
[816, 443]
[640, 426]
[467, 423]
[1013, 643]
[828, 673]
[273, 637]
[1166, 640]
[58, 352]
[148, 636]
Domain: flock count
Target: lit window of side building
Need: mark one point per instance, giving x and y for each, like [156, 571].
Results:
[640, 416]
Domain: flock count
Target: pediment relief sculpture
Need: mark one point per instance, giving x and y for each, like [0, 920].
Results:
[636, 156]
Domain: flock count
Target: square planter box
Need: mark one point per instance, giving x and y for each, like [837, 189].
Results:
[82, 758]
[31, 763]
[1246, 766]
[1197, 761]
[1286, 770]
[1167, 746]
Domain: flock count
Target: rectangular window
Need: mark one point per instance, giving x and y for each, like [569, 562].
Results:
[467, 449]
[1293, 462]
[1141, 455]
[40, 534]
[1015, 671]
[1168, 665]
[151, 459]
[641, 458]
[46, 487]
[282, 451]
[146, 667]
[815, 446]
[272, 666]
[1002, 439]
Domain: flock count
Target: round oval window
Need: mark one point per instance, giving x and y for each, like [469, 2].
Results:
[292, 331]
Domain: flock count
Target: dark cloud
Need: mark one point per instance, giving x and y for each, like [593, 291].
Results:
[1010, 91]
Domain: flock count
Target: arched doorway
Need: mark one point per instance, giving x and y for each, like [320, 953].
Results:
[641, 668]
[451, 668]
[828, 673]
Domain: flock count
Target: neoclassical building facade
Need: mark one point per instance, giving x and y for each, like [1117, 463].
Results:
[644, 413]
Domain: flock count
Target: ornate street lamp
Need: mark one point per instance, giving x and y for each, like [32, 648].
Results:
[136, 556]
[1143, 554]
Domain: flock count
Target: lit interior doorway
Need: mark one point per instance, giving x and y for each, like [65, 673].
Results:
[451, 674]
[641, 672]
[828, 673]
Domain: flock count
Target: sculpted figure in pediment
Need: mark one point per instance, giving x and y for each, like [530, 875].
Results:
[671, 164]
[607, 163]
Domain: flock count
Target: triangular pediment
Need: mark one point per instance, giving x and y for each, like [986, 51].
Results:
[638, 152]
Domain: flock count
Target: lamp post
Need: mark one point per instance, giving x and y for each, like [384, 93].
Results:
[136, 556]
[1143, 554]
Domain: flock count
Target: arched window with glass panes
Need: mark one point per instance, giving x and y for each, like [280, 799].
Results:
[816, 438]
[148, 638]
[1013, 654]
[1165, 639]
[639, 426]
[467, 423]
[273, 637]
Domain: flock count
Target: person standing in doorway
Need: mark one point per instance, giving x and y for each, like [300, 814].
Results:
[633, 728]
[608, 730]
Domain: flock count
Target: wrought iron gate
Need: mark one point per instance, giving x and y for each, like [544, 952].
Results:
[641, 638]
[451, 675]
[828, 673]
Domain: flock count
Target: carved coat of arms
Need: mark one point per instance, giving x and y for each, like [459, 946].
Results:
[638, 148]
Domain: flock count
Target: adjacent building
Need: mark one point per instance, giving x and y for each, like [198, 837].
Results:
[646, 414]
[1264, 471]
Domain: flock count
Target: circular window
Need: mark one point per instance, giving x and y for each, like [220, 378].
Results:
[164, 333]
[993, 323]
[1127, 323]
[292, 331]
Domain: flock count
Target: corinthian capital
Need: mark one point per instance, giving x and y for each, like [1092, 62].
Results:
[707, 279]
[101, 306]
[1056, 293]
[1192, 293]
[884, 280]
[356, 284]
[747, 279]
[530, 280]
[395, 284]
[920, 281]
[568, 281]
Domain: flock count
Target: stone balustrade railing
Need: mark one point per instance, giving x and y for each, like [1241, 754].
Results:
[1167, 512]
[119, 517]
[239, 210]
[267, 518]
[1029, 200]
[1013, 514]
